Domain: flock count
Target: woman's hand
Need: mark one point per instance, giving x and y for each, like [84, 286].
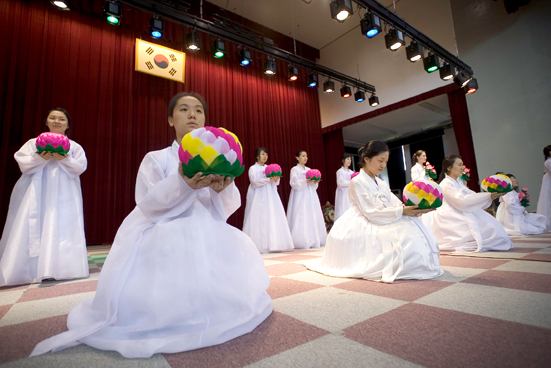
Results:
[58, 157]
[310, 181]
[45, 155]
[197, 181]
[497, 195]
[414, 211]
[219, 183]
[274, 178]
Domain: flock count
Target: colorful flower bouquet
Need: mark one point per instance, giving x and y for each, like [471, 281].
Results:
[430, 171]
[466, 174]
[497, 184]
[354, 174]
[524, 197]
[53, 143]
[313, 174]
[423, 193]
[211, 150]
[273, 170]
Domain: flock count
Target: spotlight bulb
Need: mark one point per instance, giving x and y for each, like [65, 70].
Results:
[346, 91]
[329, 86]
[312, 80]
[359, 96]
[394, 39]
[341, 9]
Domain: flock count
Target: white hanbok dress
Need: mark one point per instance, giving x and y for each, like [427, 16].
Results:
[265, 220]
[515, 219]
[462, 225]
[373, 241]
[304, 213]
[418, 172]
[544, 201]
[177, 277]
[342, 202]
[44, 232]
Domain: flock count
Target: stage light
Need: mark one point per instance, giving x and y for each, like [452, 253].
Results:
[462, 78]
[394, 39]
[112, 13]
[472, 86]
[219, 49]
[346, 91]
[329, 86]
[446, 71]
[307, 1]
[371, 25]
[341, 9]
[292, 73]
[62, 5]
[193, 41]
[156, 27]
[414, 51]
[270, 67]
[312, 80]
[431, 63]
[359, 96]
[245, 57]
[373, 100]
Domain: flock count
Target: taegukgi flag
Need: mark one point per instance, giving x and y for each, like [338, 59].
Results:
[160, 61]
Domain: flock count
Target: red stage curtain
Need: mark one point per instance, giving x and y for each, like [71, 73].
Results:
[77, 61]
[334, 148]
[462, 129]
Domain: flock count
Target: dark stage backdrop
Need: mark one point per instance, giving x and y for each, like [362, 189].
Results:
[77, 61]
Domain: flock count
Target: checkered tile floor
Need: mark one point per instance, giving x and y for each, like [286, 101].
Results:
[487, 310]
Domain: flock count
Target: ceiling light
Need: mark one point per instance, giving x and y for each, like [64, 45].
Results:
[341, 9]
[359, 96]
[394, 39]
[312, 80]
[373, 100]
[371, 25]
[62, 5]
[346, 91]
[472, 86]
[329, 86]
[245, 57]
[447, 71]
[156, 27]
[292, 73]
[462, 78]
[193, 41]
[270, 67]
[219, 49]
[414, 51]
[112, 13]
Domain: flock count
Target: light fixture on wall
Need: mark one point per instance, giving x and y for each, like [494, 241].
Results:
[219, 49]
[341, 9]
[312, 80]
[270, 67]
[359, 96]
[112, 13]
[329, 86]
[245, 57]
[370, 25]
[414, 51]
[431, 63]
[156, 27]
[292, 73]
[394, 39]
[373, 100]
[447, 71]
[346, 91]
[471, 87]
[193, 41]
[462, 78]
[61, 5]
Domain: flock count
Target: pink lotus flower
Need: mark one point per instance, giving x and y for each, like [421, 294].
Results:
[524, 189]
[354, 174]
[521, 195]
[272, 170]
[528, 197]
[313, 174]
[52, 142]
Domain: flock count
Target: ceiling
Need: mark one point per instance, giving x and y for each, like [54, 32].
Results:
[399, 123]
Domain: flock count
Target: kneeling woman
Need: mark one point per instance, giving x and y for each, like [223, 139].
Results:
[378, 237]
[177, 277]
[461, 224]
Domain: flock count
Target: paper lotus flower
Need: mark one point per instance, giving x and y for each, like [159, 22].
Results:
[466, 176]
[523, 197]
[354, 174]
[273, 170]
[430, 171]
[211, 150]
[423, 193]
[52, 142]
[497, 184]
[313, 174]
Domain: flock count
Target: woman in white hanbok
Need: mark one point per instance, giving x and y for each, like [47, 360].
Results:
[418, 171]
[544, 200]
[304, 213]
[344, 174]
[514, 218]
[43, 236]
[378, 238]
[177, 277]
[265, 220]
[461, 224]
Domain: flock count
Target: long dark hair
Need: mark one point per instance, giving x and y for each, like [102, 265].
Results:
[415, 156]
[516, 189]
[63, 111]
[547, 151]
[258, 151]
[344, 157]
[174, 101]
[372, 149]
[299, 152]
[446, 166]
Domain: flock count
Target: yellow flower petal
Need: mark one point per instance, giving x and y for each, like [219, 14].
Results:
[209, 154]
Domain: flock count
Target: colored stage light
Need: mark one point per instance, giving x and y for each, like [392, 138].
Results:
[62, 5]
[414, 51]
[219, 49]
[112, 13]
[156, 27]
[472, 86]
[394, 39]
[371, 25]
[431, 63]
[346, 91]
[462, 78]
[245, 57]
[312, 80]
[359, 96]
[292, 73]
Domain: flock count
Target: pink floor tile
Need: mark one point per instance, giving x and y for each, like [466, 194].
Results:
[44, 292]
[95, 270]
[435, 337]
[456, 261]
[18, 341]
[4, 309]
[538, 257]
[280, 287]
[12, 288]
[513, 280]
[294, 258]
[284, 269]
[532, 240]
[407, 290]
[277, 333]
[523, 250]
